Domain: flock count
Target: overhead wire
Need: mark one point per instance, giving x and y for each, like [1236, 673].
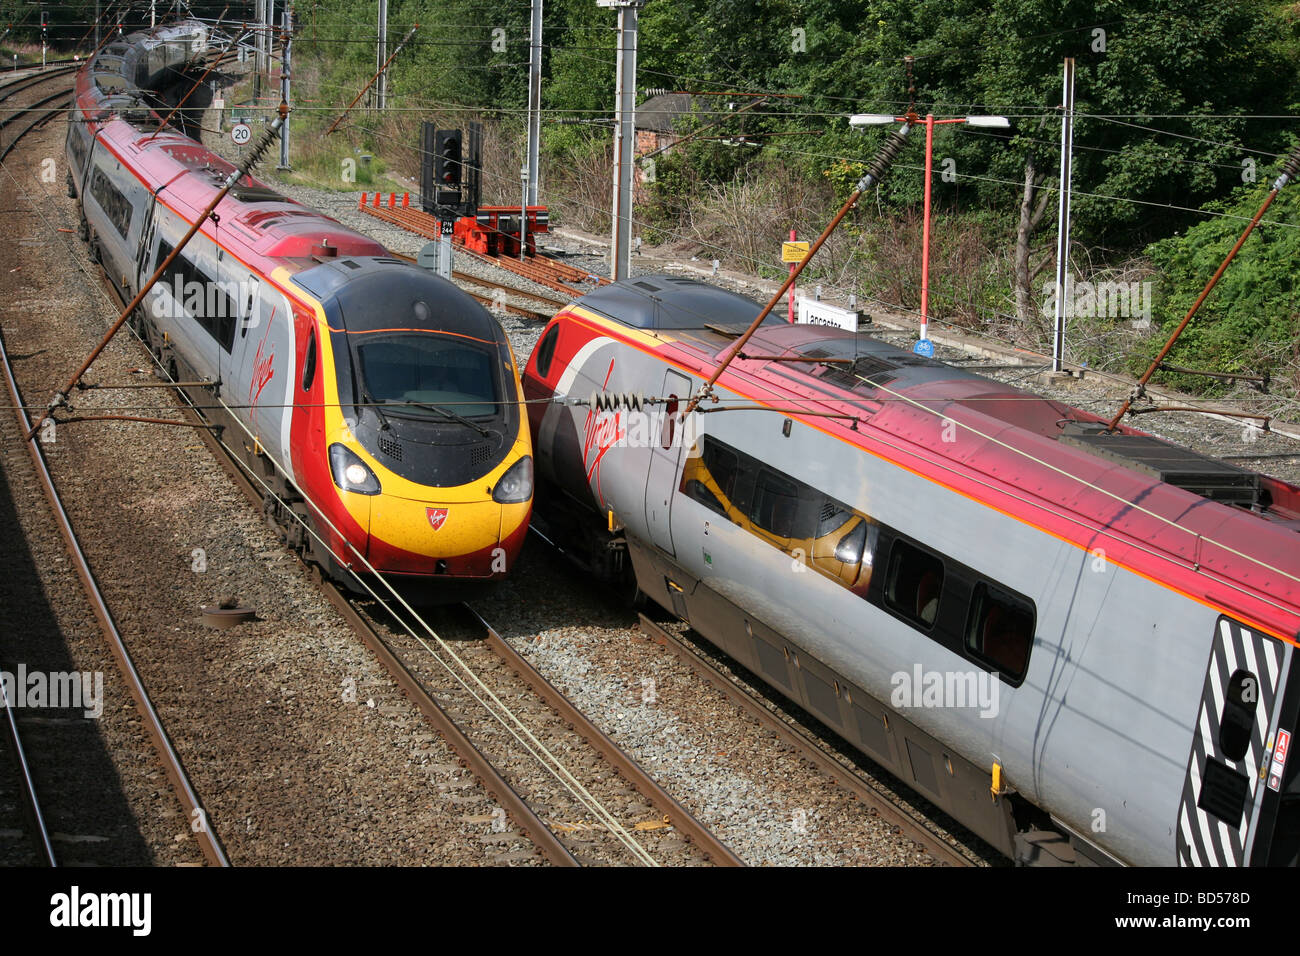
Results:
[498, 709]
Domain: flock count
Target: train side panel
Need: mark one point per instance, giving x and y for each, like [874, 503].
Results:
[1089, 729]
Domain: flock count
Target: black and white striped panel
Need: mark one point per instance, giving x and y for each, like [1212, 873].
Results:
[1203, 838]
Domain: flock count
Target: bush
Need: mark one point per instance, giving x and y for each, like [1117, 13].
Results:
[1250, 321]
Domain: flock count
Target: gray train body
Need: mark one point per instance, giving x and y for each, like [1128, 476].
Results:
[1093, 754]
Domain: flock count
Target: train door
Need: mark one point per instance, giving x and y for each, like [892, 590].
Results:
[263, 363]
[1239, 750]
[144, 261]
[665, 456]
[232, 277]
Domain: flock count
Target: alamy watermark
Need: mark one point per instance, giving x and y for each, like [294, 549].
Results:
[216, 299]
[125, 910]
[628, 428]
[72, 690]
[921, 688]
[1103, 300]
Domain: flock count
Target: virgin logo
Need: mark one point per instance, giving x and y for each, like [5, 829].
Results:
[437, 517]
[263, 369]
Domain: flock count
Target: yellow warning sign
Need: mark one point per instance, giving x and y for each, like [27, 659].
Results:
[793, 251]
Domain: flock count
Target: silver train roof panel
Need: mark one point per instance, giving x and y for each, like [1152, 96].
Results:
[670, 302]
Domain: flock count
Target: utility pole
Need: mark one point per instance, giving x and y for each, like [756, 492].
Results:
[620, 252]
[286, 40]
[1063, 216]
[97, 15]
[269, 40]
[534, 100]
[924, 346]
[153, 13]
[381, 57]
[259, 55]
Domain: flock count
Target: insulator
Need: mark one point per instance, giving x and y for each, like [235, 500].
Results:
[610, 401]
[889, 151]
[1289, 169]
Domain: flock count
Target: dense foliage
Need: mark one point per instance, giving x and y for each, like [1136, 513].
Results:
[1180, 105]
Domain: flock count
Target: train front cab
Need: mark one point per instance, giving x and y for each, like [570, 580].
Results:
[427, 446]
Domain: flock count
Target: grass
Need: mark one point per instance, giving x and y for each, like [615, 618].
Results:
[341, 162]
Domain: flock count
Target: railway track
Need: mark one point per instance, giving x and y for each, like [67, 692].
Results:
[58, 736]
[545, 271]
[17, 121]
[64, 747]
[594, 804]
[758, 707]
[27, 803]
[541, 269]
[522, 762]
[512, 290]
[22, 82]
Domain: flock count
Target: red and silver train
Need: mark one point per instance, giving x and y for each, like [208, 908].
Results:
[378, 400]
[1078, 643]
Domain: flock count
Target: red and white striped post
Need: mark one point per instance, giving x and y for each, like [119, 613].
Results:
[924, 346]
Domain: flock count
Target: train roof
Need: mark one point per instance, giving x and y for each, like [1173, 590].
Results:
[664, 301]
[263, 226]
[1015, 449]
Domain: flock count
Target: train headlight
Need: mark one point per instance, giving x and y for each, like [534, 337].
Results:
[516, 484]
[351, 473]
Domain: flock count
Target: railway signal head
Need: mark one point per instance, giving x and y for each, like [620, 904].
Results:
[448, 164]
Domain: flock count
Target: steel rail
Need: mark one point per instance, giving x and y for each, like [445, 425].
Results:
[677, 815]
[807, 747]
[547, 843]
[27, 81]
[31, 801]
[488, 283]
[42, 117]
[207, 838]
[546, 299]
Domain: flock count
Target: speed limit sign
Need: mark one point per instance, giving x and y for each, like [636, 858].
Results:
[241, 133]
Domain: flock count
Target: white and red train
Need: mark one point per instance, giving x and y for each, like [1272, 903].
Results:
[1079, 644]
[381, 402]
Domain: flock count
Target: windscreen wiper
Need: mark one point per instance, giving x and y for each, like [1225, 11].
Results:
[448, 413]
[372, 403]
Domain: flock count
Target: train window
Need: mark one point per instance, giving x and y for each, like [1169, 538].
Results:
[850, 547]
[215, 308]
[1001, 629]
[833, 516]
[1238, 718]
[164, 250]
[77, 144]
[408, 370]
[914, 584]
[112, 201]
[546, 350]
[724, 465]
[309, 361]
[699, 491]
[715, 467]
[776, 505]
[248, 309]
